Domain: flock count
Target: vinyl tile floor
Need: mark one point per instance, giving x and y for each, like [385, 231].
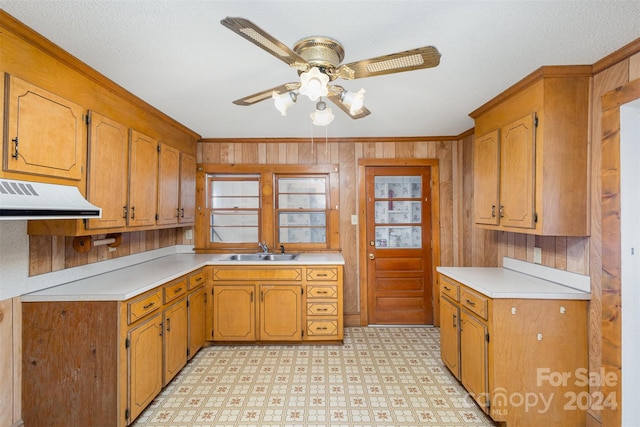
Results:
[380, 376]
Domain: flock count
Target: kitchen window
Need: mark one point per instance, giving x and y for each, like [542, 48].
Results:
[295, 206]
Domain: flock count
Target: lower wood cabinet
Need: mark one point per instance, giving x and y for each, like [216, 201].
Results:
[509, 353]
[269, 303]
[102, 362]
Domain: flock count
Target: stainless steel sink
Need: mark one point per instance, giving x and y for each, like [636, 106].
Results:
[279, 257]
[262, 257]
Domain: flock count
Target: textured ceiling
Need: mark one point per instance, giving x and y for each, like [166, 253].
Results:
[177, 56]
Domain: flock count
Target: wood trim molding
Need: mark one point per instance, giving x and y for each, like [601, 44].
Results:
[398, 139]
[619, 55]
[362, 227]
[25, 33]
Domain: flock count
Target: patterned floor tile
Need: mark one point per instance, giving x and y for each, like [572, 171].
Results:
[380, 376]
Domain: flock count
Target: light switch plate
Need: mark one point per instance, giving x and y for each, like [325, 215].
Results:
[537, 255]
[354, 219]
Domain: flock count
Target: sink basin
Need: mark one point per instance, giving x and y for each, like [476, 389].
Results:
[279, 257]
[246, 257]
[262, 257]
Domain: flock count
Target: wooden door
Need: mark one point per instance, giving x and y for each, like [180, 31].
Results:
[46, 134]
[187, 189]
[234, 313]
[398, 223]
[280, 312]
[474, 363]
[486, 178]
[175, 339]
[168, 185]
[143, 179]
[107, 171]
[449, 336]
[197, 319]
[145, 364]
[517, 171]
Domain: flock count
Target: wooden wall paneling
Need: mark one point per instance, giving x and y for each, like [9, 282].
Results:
[560, 250]
[634, 67]
[457, 216]
[404, 150]
[41, 255]
[445, 166]
[348, 235]
[520, 246]
[467, 201]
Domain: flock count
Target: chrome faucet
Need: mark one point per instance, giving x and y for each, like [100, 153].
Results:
[264, 247]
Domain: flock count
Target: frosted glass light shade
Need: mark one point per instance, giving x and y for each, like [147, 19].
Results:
[313, 84]
[355, 101]
[283, 101]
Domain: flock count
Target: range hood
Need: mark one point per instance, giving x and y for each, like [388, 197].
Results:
[36, 200]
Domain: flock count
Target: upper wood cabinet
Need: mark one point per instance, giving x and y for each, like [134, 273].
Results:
[187, 189]
[45, 134]
[143, 179]
[168, 184]
[531, 155]
[107, 184]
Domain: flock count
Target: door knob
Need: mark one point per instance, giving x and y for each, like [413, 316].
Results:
[372, 256]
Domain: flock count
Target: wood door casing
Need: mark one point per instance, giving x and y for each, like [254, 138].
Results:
[399, 288]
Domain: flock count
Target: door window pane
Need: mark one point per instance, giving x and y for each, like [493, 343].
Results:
[397, 205]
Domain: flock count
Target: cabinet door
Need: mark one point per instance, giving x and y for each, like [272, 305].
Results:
[234, 313]
[196, 307]
[175, 339]
[473, 357]
[187, 189]
[107, 171]
[143, 179]
[486, 181]
[449, 336]
[517, 171]
[45, 133]
[280, 312]
[168, 185]
[145, 364]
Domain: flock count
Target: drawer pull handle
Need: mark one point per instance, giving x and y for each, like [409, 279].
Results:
[322, 274]
[177, 290]
[323, 292]
[151, 304]
[199, 278]
[322, 309]
[447, 288]
[471, 303]
[324, 328]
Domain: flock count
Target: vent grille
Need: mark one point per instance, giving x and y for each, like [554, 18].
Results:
[17, 188]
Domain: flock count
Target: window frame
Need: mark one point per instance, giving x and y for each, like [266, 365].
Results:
[268, 226]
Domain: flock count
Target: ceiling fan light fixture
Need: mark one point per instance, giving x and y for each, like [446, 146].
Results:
[283, 101]
[313, 84]
[323, 115]
[355, 101]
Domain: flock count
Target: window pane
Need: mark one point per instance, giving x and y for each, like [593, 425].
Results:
[300, 201]
[399, 237]
[301, 185]
[235, 188]
[234, 234]
[303, 235]
[301, 219]
[226, 219]
[389, 212]
[398, 187]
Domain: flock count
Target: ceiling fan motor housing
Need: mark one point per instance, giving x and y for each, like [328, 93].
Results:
[322, 52]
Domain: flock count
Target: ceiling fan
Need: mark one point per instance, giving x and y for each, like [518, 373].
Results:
[318, 62]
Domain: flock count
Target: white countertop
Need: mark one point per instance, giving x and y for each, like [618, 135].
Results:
[127, 282]
[507, 283]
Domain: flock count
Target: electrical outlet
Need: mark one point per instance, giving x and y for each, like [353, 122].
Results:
[354, 219]
[537, 255]
[188, 234]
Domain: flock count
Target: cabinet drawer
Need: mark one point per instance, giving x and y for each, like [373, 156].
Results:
[196, 279]
[322, 327]
[450, 288]
[322, 291]
[322, 309]
[174, 290]
[139, 308]
[317, 274]
[474, 302]
[253, 274]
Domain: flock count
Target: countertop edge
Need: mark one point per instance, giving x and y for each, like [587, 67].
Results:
[490, 286]
[76, 290]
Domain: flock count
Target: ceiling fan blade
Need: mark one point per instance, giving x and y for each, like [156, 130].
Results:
[266, 94]
[262, 39]
[334, 96]
[414, 59]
